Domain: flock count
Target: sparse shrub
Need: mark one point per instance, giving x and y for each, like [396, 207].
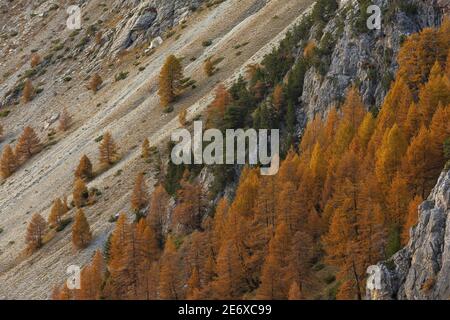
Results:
[28, 91]
[207, 43]
[99, 38]
[182, 117]
[63, 224]
[145, 149]
[447, 154]
[121, 76]
[310, 50]
[428, 285]
[64, 120]
[95, 83]
[208, 66]
[35, 60]
[4, 113]
[98, 139]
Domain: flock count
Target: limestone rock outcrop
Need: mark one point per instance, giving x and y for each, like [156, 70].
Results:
[421, 270]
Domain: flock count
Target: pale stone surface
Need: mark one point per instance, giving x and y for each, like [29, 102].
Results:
[421, 270]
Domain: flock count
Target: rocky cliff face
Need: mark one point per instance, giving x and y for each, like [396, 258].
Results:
[147, 19]
[361, 56]
[422, 269]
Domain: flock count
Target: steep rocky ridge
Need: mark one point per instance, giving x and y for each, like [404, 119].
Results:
[421, 270]
[363, 57]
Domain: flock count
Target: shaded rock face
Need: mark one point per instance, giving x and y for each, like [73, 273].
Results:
[366, 58]
[421, 270]
[148, 19]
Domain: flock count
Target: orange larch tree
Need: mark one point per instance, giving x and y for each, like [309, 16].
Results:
[156, 215]
[411, 218]
[35, 232]
[8, 162]
[273, 286]
[81, 231]
[169, 280]
[170, 80]
[139, 197]
[278, 97]
[80, 193]
[294, 292]
[56, 213]
[108, 150]
[216, 111]
[27, 145]
[84, 169]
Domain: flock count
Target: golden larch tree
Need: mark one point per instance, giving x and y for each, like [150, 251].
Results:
[8, 162]
[436, 91]
[170, 80]
[157, 211]
[35, 232]
[169, 280]
[84, 169]
[273, 286]
[216, 111]
[92, 279]
[81, 231]
[390, 154]
[108, 150]
[139, 197]
[411, 218]
[80, 193]
[27, 145]
[294, 292]
[56, 213]
[189, 210]
[278, 97]
[417, 164]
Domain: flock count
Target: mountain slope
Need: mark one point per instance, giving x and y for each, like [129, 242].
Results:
[117, 107]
